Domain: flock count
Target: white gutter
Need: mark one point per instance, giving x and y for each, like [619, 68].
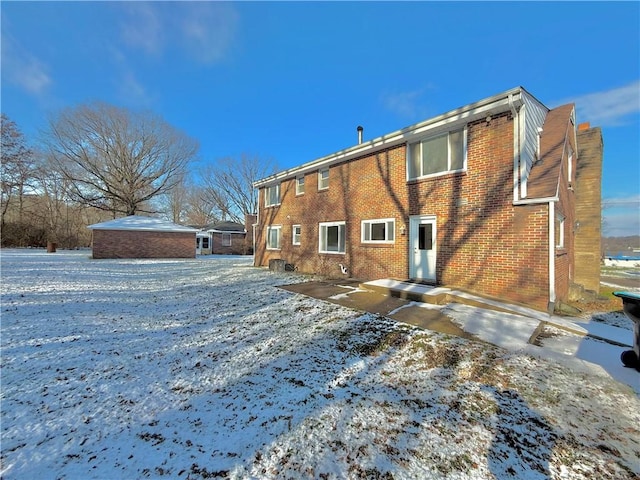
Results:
[552, 254]
[516, 147]
[469, 113]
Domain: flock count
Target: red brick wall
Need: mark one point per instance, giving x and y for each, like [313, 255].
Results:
[142, 244]
[237, 247]
[369, 188]
[484, 243]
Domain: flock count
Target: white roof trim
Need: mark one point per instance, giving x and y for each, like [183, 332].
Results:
[492, 105]
[140, 223]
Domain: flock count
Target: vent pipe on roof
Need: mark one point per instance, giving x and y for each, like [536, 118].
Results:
[360, 129]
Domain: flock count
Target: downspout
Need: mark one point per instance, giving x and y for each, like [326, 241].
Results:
[516, 147]
[552, 258]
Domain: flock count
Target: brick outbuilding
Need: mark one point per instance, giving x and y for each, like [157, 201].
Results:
[142, 237]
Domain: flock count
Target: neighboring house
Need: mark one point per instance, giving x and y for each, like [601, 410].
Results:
[481, 198]
[227, 238]
[142, 237]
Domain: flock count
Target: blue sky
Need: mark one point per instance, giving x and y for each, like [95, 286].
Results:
[290, 81]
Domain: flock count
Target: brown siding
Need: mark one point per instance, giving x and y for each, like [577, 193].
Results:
[143, 244]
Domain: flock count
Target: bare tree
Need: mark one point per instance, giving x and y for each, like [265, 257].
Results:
[229, 185]
[118, 160]
[201, 209]
[17, 167]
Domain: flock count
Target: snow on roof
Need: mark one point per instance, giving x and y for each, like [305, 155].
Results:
[136, 222]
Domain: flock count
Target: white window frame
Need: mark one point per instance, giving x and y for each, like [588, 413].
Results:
[300, 185]
[226, 239]
[322, 240]
[321, 180]
[278, 229]
[267, 195]
[449, 169]
[559, 227]
[389, 230]
[295, 237]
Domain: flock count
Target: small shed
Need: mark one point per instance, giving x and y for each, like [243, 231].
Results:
[228, 238]
[142, 237]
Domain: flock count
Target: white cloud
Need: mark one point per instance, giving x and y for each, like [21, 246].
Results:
[621, 216]
[208, 30]
[408, 104]
[608, 108]
[142, 27]
[205, 30]
[22, 68]
[630, 201]
[622, 224]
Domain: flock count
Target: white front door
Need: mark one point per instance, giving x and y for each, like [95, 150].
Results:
[422, 242]
[198, 245]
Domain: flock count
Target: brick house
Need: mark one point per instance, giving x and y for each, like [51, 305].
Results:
[226, 238]
[142, 237]
[481, 198]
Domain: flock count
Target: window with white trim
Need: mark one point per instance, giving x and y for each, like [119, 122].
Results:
[323, 178]
[436, 155]
[559, 230]
[272, 195]
[226, 239]
[300, 185]
[378, 231]
[332, 237]
[297, 231]
[273, 237]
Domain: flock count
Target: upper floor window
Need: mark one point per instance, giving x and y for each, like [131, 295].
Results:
[559, 230]
[272, 195]
[323, 178]
[297, 231]
[300, 185]
[439, 154]
[378, 231]
[273, 237]
[332, 237]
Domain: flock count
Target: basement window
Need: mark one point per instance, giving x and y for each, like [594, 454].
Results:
[378, 231]
[297, 231]
[273, 237]
[332, 237]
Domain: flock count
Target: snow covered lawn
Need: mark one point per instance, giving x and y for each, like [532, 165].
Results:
[203, 368]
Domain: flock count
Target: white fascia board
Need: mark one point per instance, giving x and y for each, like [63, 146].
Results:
[234, 232]
[490, 106]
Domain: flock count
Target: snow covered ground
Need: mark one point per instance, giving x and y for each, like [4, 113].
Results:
[203, 368]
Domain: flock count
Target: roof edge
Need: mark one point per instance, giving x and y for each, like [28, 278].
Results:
[492, 104]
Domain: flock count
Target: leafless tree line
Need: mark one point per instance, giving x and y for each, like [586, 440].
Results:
[98, 161]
